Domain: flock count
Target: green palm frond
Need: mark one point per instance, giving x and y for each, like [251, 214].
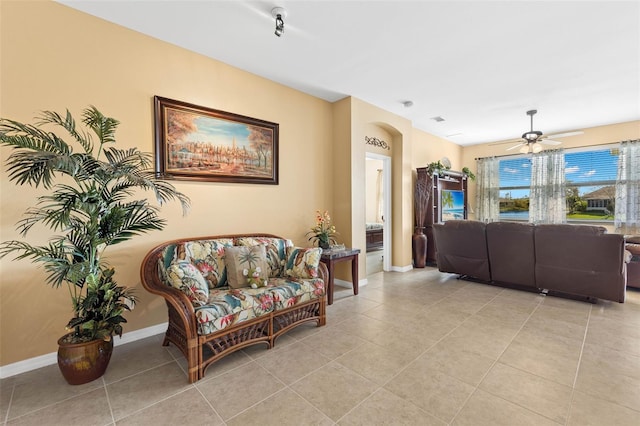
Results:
[104, 127]
[28, 136]
[53, 210]
[91, 209]
[127, 159]
[56, 257]
[125, 221]
[69, 124]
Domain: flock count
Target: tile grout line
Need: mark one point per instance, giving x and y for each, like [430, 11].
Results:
[106, 391]
[494, 363]
[575, 378]
[151, 405]
[50, 405]
[6, 416]
[439, 340]
[434, 344]
[285, 387]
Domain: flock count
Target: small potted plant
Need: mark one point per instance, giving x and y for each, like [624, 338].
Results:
[323, 233]
[90, 208]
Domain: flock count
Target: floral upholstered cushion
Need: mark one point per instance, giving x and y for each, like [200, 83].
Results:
[303, 262]
[290, 292]
[227, 307]
[244, 258]
[208, 257]
[186, 277]
[276, 249]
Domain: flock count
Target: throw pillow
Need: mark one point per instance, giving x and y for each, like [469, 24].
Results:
[207, 256]
[303, 262]
[276, 249]
[186, 277]
[237, 259]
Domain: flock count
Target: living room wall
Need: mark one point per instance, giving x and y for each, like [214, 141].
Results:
[54, 57]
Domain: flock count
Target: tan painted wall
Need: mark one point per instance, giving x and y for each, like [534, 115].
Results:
[592, 136]
[53, 57]
[400, 129]
[428, 148]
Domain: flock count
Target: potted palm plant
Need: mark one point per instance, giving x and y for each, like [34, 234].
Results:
[90, 208]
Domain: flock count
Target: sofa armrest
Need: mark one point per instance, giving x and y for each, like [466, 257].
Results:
[150, 278]
[324, 274]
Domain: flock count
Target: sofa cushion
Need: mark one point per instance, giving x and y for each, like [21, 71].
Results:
[290, 292]
[276, 249]
[227, 307]
[303, 262]
[580, 260]
[186, 277]
[510, 246]
[208, 257]
[461, 248]
[239, 260]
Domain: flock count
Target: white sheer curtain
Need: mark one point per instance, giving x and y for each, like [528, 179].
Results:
[627, 208]
[488, 189]
[547, 199]
[379, 195]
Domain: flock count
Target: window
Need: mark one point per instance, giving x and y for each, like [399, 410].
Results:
[590, 179]
[515, 183]
[591, 183]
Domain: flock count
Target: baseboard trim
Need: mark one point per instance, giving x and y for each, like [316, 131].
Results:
[348, 284]
[401, 268]
[52, 358]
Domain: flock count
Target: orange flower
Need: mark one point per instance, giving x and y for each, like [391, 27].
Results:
[323, 232]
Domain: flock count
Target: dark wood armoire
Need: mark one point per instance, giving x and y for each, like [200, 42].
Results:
[453, 186]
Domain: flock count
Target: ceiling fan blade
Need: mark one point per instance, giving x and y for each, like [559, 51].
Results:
[506, 142]
[515, 146]
[548, 142]
[564, 135]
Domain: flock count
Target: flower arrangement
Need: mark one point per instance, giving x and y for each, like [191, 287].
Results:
[323, 233]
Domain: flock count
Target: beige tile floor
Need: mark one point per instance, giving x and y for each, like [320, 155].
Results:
[416, 348]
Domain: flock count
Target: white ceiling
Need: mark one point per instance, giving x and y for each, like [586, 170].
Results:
[478, 64]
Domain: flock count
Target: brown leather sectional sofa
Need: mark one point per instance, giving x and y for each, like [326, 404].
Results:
[633, 268]
[574, 260]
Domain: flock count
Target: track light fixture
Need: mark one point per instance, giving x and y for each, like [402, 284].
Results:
[279, 13]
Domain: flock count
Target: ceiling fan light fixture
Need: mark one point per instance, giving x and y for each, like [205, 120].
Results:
[524, 149]
[536, 148]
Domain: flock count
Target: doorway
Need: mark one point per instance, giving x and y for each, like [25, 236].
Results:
[378, 212]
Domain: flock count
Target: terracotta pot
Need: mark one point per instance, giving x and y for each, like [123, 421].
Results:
[419, 248]
[83, 362]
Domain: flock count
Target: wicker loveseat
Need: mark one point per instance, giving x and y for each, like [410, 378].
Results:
[208, 318]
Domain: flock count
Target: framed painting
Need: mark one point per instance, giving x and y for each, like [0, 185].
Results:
[204, 144]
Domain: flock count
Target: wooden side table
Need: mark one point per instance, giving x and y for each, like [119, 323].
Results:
[331, 257]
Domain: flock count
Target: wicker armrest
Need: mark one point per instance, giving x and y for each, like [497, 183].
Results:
[177, 299]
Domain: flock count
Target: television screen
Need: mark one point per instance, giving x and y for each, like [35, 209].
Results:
[451, 205]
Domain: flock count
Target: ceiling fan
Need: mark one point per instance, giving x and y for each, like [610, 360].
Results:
[533, 140]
